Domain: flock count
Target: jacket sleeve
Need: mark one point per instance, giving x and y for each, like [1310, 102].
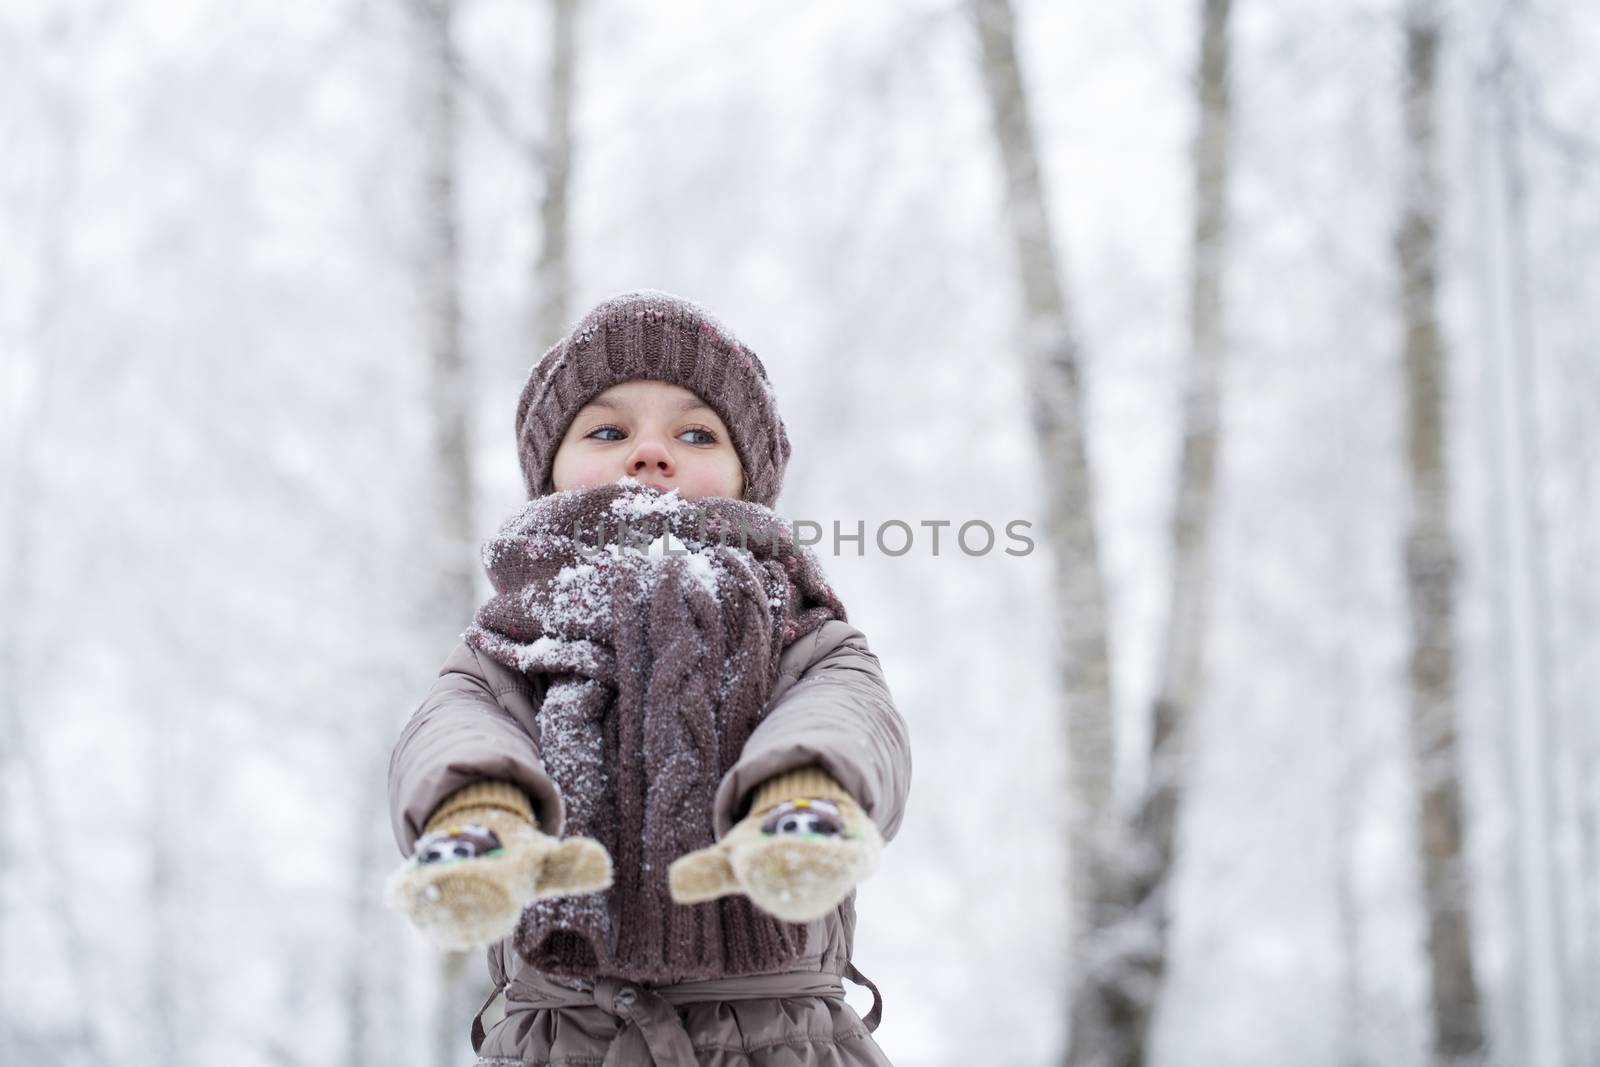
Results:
[837, 714]
[462, 733]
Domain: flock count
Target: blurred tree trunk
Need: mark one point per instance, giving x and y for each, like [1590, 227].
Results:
[1534, 760]
[1051, 349]
[449, 604]
[450, 383]
[363, 1039]
[28, 440]
[21, 508]
[163, 960]
[552, 273]
[1350, 786]
[1130, 988]
[1430, 566]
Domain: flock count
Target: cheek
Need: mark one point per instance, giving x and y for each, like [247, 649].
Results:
[573, 469]
[731, 478]
[719, 477]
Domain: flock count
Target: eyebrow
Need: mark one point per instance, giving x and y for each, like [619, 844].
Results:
[686, 405]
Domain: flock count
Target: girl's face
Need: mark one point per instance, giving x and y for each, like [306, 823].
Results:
[664, 435]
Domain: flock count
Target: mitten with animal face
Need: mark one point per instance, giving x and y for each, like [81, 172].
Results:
[797, 855]
[481, 860]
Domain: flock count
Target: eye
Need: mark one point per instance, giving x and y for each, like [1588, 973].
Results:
[598, 430]
[701, 436]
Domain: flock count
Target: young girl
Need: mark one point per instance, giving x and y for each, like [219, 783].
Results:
[654, 769]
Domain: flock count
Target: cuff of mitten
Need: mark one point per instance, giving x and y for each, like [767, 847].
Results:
[500, 795]
[805, 782]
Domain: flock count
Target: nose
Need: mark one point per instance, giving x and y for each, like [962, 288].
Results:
[649, 456]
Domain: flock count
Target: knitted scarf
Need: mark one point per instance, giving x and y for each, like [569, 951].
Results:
[657, 624]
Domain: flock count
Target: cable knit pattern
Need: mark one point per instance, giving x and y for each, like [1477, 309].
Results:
[659, 667]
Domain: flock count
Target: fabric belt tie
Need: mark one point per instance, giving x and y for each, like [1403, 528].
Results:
[651, 1032]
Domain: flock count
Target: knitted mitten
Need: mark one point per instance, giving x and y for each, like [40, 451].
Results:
[481, 859]
[798, 853]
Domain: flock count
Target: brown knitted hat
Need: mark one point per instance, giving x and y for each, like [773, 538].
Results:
[650, 334]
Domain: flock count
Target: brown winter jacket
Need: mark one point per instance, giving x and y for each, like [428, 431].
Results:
[830, 707]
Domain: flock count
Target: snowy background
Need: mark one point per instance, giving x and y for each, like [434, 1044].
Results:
[215, 437]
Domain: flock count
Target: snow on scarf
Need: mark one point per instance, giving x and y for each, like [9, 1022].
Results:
[659, 655]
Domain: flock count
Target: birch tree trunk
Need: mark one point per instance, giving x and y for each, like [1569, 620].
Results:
[450, 385]
[450, 602]
[36, 373]
[1349, 788]
[162, 969]
[29, 371]
[1136, 982]
[1082, 657]
[363, 1039]
[1532, 756]
[1430, 566]
[552, 272]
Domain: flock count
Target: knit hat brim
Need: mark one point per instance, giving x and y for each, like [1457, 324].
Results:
[648, 334]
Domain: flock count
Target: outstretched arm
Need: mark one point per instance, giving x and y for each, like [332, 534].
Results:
[832, 710]
[466, 778]
[799, 816]
[462, 733]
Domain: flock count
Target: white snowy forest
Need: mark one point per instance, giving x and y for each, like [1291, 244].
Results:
[1276, 322]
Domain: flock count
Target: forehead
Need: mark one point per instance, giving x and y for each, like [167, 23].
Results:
[648, 393]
